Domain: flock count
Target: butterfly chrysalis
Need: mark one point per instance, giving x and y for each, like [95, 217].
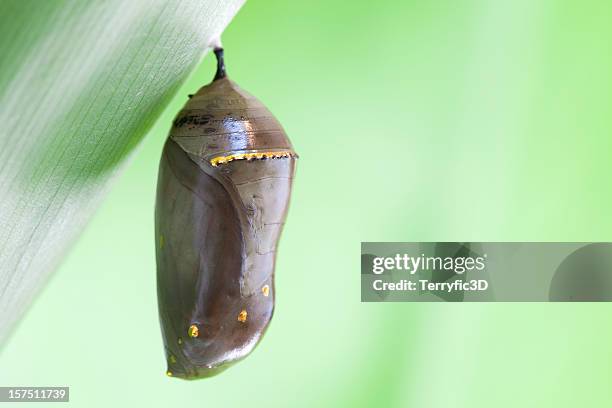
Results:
[223, 190]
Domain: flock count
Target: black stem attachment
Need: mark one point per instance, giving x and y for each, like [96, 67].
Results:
[220, 64]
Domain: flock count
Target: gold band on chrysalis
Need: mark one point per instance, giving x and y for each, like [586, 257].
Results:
[215, 161]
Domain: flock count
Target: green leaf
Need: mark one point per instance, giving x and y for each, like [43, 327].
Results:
[81, 82]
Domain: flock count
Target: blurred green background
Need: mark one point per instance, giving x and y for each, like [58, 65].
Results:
[482, 120]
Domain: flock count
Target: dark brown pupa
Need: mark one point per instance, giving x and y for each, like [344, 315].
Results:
[222, 196]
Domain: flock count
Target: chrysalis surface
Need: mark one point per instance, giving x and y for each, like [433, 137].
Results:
[222, 196]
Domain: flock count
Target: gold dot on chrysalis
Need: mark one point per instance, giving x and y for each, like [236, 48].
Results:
[193, 331]
[169, 373]
[179, 340]
[265, 290]
[242, 316]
